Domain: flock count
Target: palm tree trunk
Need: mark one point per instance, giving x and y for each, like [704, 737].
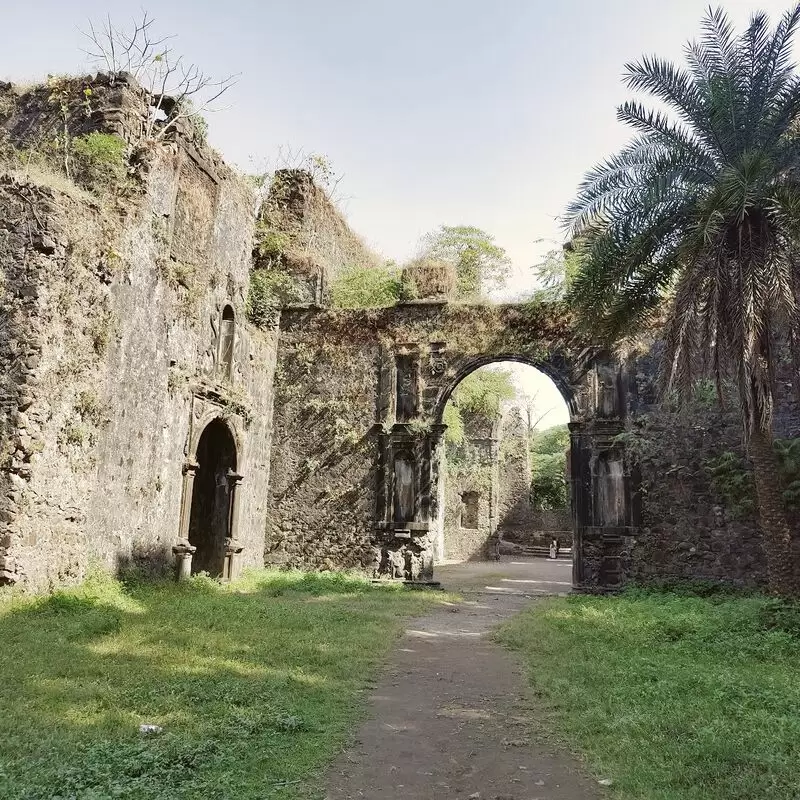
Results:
[776, 535]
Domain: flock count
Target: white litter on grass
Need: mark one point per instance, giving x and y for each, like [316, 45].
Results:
[148, 729]
[606, 782]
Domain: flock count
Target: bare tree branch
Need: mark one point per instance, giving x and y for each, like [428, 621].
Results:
[176, 91]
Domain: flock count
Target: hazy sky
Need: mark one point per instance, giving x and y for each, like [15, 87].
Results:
[477, 112]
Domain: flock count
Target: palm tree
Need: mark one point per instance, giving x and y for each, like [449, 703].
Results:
[700, 215]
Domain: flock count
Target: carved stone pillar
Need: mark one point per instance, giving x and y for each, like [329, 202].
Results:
[233, 547]
[183, 549]
[232, 566]
[183, 552]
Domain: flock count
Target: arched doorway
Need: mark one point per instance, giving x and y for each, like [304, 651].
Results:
[212, 498]
[503, 483]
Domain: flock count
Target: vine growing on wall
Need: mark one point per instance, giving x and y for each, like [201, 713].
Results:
[732, 481]
[788, 451]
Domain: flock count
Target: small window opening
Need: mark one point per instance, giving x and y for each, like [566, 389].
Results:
[226, 338]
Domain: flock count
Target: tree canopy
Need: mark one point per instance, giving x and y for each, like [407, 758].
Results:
[480, 263]
[699, 216]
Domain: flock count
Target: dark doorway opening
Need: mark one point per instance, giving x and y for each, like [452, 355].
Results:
[210, 519]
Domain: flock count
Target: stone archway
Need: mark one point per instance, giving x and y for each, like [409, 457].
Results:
[210, 515]
[210, 507]
[358, 430]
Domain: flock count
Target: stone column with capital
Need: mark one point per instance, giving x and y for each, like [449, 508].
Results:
[233, 547]
[183, 549]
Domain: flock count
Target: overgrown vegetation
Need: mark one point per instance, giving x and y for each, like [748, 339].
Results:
[732, 482]
[549, 468]
[366, 287]
[99, 159]
[670, 696]
[480, 264]
[255, 685]
[481, 392]
[426, 278]
[694, 224]
[269, 291]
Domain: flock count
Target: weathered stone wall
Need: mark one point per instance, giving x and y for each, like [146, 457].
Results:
[515, 512]
[111, 363]
[322, 494]
[688, 529]
[302, 233]
[360, 391]
[471, 487]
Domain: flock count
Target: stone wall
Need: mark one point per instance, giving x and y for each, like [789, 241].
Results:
[303, 234]
[515, 512]
[471, 487]
[689, 530]
[358, 415]
[111, 361]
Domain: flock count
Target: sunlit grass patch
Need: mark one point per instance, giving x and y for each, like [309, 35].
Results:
[674, 697]
[255, 684]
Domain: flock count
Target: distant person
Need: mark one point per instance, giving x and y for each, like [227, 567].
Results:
[554, 549]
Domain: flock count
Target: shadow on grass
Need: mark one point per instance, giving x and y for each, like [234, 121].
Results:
[255, 685]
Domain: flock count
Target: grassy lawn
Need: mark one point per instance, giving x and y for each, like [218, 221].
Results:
[255, 685]
[672, 697]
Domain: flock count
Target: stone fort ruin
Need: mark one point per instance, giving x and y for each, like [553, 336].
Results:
[150, 417]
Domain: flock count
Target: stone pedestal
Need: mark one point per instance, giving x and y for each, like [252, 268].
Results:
[232, 567]
[183, 552]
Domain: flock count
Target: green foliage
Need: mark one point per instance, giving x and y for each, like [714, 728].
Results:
[99, 159]
[366, 287]
[788, 452]
[697, 216]
[483, 391]
[271, 243]
[269, 291]
[555, 274]
[480, 263]
[707, 684]
[548, 467]
[255, 684]
[732, 481]
[455, 425]
[550, 441]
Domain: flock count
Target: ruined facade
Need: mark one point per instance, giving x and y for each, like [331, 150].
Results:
[146, 421]
[470, 491]
[136, 400]
[488, 508]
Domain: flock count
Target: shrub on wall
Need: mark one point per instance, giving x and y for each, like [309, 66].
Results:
[426, 278]
[99, 159]
[269, 291]
[732, 481]
[366, 287]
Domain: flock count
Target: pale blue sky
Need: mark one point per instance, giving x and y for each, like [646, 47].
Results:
[479, 112]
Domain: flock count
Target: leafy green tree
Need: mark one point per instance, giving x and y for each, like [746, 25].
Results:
[549, 464]
[550, 441]
[480, 263]
[703, 208]
[555, 273]
[481, 392]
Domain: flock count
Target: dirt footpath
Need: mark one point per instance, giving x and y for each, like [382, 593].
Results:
[451, 717]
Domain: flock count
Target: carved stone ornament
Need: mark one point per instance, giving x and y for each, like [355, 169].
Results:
[437, 365]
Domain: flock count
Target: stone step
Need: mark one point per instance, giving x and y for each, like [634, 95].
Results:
[538, 551]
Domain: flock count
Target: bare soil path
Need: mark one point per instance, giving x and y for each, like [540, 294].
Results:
[452, 716]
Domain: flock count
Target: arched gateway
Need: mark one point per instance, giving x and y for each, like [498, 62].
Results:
[359, 432]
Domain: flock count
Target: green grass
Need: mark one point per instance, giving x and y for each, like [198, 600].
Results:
[672, 697]
[256, 685]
